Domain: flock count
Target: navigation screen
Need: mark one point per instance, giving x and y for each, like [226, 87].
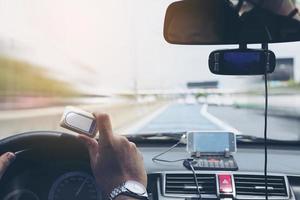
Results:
[214, 142]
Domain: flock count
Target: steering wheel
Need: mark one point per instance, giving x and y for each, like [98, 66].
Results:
[36, 139]
[38, 146]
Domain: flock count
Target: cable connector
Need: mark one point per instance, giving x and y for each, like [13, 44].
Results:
[183, 139]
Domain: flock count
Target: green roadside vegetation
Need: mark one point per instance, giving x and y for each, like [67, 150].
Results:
[248, 106]
[18, 78]
[199, 95]
[294, 85]
[288, 88]
[285, 88]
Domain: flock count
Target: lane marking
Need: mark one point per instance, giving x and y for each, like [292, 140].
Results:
[133, 129]
[223, 125]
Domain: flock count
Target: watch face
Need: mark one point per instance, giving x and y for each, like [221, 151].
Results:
[135, 187]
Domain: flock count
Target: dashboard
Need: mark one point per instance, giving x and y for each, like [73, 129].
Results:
[61, 170]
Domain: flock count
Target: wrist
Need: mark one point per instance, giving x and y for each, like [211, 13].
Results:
[129, 190]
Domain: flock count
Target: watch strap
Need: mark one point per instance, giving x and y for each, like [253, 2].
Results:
[117, 191]
[122, 190]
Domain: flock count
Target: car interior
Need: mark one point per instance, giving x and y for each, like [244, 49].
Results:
[185, 164]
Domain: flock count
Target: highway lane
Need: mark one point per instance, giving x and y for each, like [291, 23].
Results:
[183, 117]
[177, 118]
[174, 117]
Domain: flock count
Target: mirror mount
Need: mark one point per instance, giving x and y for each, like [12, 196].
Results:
[243, 46]
[265, 46]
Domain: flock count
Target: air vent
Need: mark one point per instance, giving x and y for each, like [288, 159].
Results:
[254, 185]
[184, 184]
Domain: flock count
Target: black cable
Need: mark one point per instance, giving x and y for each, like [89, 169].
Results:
[255, 4]
[156, 158]
[167, 161]
[195, 179]
[265, 47]
[265, 135]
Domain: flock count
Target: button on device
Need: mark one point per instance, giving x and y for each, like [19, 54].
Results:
[214, 163]
[225, 183]
[213, 160]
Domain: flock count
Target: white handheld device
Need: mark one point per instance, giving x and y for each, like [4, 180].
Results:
[79, 121]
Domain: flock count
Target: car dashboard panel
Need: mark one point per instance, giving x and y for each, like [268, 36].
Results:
[174, 181]
[64, 173]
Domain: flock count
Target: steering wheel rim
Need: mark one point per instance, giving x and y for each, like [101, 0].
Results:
[32, 139]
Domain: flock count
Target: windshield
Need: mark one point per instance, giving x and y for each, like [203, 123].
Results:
[110, 56]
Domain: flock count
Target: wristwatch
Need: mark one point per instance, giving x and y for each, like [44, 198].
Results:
[130, 188]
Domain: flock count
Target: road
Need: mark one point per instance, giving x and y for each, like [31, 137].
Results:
[183, 117]
[162, 117]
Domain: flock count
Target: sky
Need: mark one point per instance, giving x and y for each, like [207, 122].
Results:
[99, 45]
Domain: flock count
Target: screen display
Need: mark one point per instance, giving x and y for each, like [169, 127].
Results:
[243, 62]
[215, 142]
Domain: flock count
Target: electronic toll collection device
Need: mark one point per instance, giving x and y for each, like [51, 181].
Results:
[211, 151]
[79, 121]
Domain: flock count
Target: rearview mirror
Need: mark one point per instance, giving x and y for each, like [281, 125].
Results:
[194, 22]
[200, 22]
[242, 62]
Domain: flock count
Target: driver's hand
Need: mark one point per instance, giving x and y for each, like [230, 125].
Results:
[281, 7]
[114, 159]
[5, 161]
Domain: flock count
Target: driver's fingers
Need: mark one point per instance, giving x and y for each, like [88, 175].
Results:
[5, 160]
[105, 127]
[91, 144]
